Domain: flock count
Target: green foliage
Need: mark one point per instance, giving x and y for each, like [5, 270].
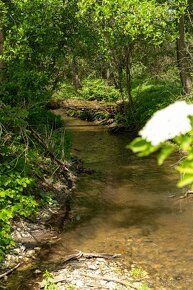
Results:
[97, 89]
[71, 287]
[20, 158]
[150, 97]
[49, 281]
[144, 287]
[13, 117]
[122, 119]
[66, 91]
[132, 19]
[40, 118]
[138, 273]
[15, 199]
[182, 142]
[142, 147]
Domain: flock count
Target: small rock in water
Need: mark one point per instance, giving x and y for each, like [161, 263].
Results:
[37, 271]
[78, 217]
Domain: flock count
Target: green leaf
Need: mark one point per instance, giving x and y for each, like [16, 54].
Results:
[142, 147]
[138, 145]
[185, 142]
[186, 166]
[187, 179]
[165, 152]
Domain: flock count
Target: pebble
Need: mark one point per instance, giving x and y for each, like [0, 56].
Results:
[92, 267]
[79, 283]
[89, 275]
[25, 233]
[37, 271]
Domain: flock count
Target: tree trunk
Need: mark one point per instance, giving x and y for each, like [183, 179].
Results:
[182, 59]
[75, 78]
[120, 78]
[1, 52]
[128, 74]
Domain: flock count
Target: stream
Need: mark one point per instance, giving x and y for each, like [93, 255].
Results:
[124, 207]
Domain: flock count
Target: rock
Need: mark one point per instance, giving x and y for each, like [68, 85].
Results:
[23, 248]
[92, 267]
[79, 283]
[30, 253]
[16, 251]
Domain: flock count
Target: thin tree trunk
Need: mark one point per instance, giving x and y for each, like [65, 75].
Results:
[1, 53]
[128, 74]
[182, 59]
[120, 78]
[75, 78]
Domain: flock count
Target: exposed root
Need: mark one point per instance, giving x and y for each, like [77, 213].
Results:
[110, 279]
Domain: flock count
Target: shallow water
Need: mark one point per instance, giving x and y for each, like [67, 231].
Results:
[125, 207]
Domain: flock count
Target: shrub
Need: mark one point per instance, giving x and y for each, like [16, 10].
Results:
[96, 89]
[15, 199]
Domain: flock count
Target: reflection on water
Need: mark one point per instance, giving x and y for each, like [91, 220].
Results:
[124, 207]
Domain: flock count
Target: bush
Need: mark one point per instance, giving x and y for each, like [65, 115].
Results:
[150, 97]
[66, 91]
[96, 89]
[15, 199]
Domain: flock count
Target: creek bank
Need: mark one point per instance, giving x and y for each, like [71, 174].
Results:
[29, 237]
[99, 112]
[30, 234]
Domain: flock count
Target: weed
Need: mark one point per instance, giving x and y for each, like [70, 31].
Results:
[50, 285]
[138, 273]
[70, 287]
[96, 89]
[144, 286]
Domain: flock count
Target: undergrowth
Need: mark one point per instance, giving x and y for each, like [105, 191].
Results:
[149, 95]
[97, 89]
[24, 164]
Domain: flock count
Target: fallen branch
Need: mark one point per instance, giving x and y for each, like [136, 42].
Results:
[89, 256]
[88, 107]
[66, 172]
[109, 279]
[100, 255]
[9, 271]
[94, 277]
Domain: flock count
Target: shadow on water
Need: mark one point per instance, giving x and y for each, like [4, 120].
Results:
[124, 207]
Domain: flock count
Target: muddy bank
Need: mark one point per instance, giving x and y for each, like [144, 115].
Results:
[87, 106]
[100, 113]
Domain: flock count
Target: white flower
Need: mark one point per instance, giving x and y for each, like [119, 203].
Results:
[168, 123]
